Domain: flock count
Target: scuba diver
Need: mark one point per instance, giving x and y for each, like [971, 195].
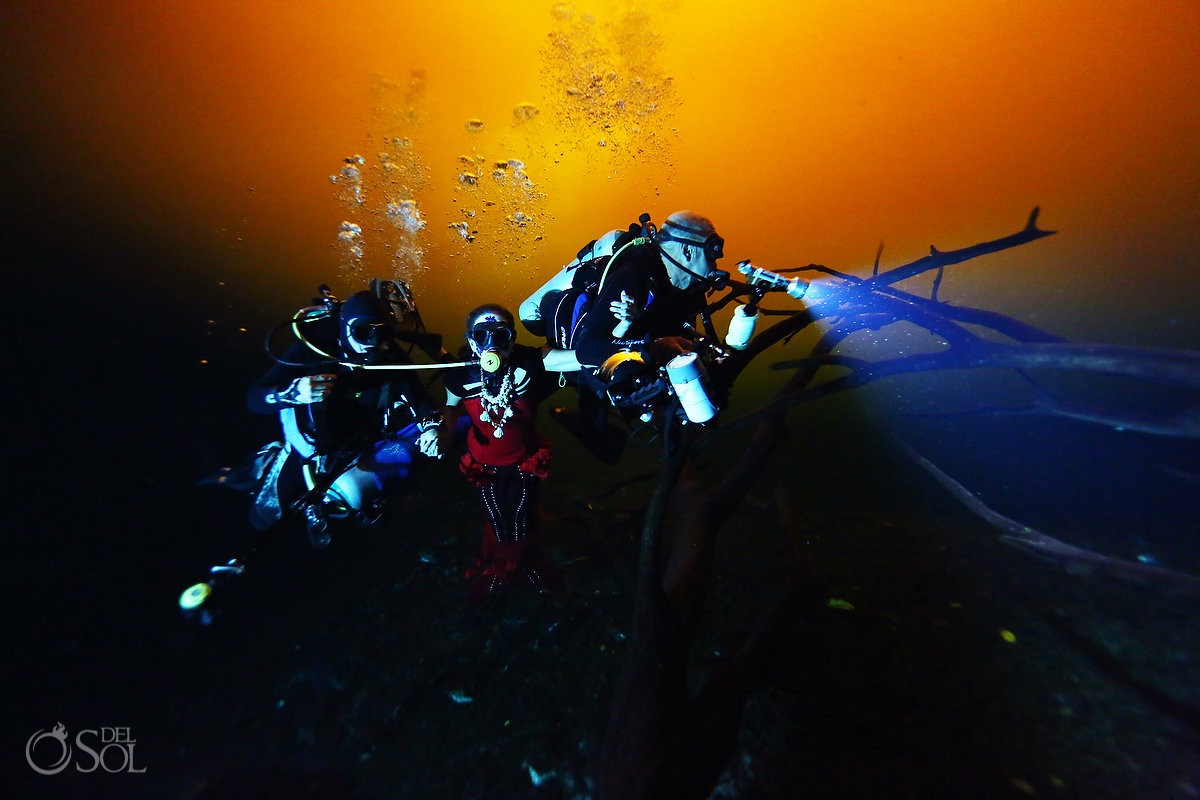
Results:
[627, 308]
[505, 458]
[353, 418]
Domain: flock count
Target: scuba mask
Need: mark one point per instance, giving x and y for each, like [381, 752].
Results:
[370, 334]
[491, 338]
[366, 323]
[713, 245]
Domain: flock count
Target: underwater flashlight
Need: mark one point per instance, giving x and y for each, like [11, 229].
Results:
[772, 281]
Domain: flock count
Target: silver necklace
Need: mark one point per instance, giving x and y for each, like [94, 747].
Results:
[497, 408]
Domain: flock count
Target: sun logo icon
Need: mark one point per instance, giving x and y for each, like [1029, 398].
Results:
[59, 734]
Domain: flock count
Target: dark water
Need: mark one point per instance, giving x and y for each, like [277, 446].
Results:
[336, 673]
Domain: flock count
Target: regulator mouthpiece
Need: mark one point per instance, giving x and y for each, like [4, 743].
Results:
[489, 361]
[191, 603]
[194, 596]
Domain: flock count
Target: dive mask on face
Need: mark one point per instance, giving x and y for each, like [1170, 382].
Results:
[365, 323]
[493, 336]
[491, 341]
[712, 245]
[370, 334]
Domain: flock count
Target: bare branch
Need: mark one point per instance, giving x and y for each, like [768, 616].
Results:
[1026, 538]
[1180, 367]
[938, 258]
[1183, 424]
[1000, 323]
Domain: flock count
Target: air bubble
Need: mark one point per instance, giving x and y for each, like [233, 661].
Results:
[474, 125]
[464, 230]
[406, 216]
[525, 112]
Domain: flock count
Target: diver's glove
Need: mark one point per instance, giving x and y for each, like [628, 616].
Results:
[429, 442]
[303, 391]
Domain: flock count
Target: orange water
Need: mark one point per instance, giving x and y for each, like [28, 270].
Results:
[808, 131]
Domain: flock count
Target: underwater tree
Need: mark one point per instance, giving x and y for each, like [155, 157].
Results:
[664, 739]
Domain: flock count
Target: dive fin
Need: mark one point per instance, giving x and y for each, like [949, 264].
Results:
[267, 510]
[248, 476]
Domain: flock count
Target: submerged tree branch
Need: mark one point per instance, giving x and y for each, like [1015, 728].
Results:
[938, 259]
[1026, 538]
[1180, 367]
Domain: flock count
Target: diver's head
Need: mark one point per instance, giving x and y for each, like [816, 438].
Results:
[690, 248]
[365, 324]
[491, 333]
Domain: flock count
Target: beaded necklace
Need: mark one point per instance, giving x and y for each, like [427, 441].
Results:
[497, 408]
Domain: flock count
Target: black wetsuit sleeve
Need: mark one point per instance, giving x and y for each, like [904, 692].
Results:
[275, 378]
[455, 381]
[531, 360]
[278, 377]
[595, 341]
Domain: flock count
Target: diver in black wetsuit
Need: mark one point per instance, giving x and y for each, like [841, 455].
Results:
[351, 427]
[644, 291]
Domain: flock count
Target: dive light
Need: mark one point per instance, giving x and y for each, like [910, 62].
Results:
[772, 281]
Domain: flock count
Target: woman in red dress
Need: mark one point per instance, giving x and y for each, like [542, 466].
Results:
[505, 457]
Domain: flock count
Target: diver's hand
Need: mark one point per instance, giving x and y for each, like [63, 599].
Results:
[430, 440]
[304, 391]
[624, 309]
[430, 443]
[664, 349]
